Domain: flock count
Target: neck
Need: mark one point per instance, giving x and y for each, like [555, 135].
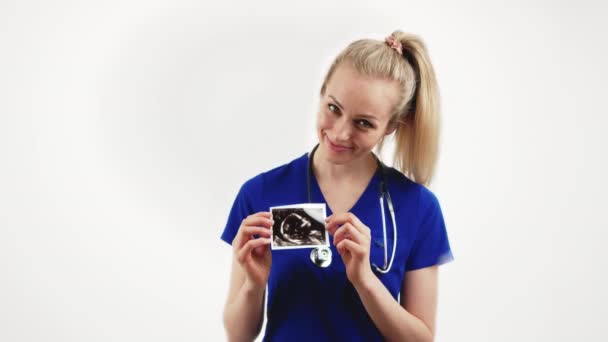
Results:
[356, 170]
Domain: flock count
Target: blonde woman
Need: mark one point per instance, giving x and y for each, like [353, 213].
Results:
[386, 228]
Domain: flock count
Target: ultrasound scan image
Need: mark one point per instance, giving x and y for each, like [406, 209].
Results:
[298, 227]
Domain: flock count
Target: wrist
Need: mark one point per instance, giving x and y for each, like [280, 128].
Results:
[251, 288]
[365, 281]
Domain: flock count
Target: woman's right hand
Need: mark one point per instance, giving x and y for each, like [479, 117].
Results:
[253, 254]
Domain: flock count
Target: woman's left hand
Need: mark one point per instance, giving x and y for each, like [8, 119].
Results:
[352, 239]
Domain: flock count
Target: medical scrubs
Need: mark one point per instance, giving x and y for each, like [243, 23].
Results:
[308, 303]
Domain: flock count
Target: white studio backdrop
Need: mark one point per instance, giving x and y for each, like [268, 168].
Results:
[127, 128]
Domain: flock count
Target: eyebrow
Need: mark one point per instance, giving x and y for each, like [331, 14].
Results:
[367, 116]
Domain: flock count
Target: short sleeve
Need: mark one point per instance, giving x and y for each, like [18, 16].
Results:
[241, 208]
[431, 245]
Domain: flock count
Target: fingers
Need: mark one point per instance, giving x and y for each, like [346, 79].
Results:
[259, 219]
[336, 220]
[348, 231]
[245, 252]
[253, 230]
[257, 224]
[266, 214]
[350, 234]
[333, 222]
[350, 246]
[260, 251]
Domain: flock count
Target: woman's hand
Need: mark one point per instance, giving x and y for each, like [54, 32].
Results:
[352, 239]
[253, 254]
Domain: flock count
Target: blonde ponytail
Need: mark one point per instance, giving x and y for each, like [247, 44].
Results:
[417, 135]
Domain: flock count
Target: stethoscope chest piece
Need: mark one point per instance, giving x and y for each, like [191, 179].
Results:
[321, 256]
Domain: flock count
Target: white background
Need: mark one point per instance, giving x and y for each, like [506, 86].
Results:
[127, 127]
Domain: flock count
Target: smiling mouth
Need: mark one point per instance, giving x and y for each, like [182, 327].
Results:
[336, 147]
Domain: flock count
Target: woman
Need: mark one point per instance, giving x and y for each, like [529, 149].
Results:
[373, 89]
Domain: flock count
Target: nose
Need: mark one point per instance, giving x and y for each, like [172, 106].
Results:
[343, 129]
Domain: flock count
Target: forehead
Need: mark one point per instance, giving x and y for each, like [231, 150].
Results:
[361, 94]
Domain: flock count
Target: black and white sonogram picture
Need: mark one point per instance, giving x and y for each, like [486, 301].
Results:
[299, 226]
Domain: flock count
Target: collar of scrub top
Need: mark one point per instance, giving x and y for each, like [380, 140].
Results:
[383, 193]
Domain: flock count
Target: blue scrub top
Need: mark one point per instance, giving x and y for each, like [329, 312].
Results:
[308, 303]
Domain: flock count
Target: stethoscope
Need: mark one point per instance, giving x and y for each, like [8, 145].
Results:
[321, 256]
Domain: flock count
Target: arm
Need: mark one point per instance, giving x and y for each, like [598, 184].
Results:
[414, 319]
[251, 261]
[244, 308]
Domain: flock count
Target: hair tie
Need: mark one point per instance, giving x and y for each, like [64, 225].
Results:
[394, 44]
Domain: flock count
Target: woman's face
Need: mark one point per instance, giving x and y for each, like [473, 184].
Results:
[354, 114]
